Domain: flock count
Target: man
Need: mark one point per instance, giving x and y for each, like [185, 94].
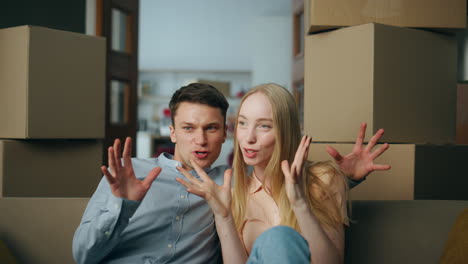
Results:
[131, 220]
[140, 214]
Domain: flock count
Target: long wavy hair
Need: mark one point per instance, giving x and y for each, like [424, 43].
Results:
[287, 140]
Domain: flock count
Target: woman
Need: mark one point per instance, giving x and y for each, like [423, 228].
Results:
[282, 188]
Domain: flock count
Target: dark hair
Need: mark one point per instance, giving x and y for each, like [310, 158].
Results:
[199, 93]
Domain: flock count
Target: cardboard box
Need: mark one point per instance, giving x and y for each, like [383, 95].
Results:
[432, 14]
[48, 168]
[40, 230]
[389, 232]
[395, 78]
[418, 172]
[462, 114]
[52, 84]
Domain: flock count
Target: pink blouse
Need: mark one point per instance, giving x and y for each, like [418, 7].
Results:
[263, 213]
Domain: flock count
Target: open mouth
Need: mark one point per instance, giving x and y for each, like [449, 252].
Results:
[250, 153]
[201, 154]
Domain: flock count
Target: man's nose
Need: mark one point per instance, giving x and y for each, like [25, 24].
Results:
[200, 137]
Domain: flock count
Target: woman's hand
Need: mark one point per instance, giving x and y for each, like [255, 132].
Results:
[360, 162]
[217, 196]
[293, 173]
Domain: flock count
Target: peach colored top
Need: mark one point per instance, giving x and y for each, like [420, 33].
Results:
[263, 213]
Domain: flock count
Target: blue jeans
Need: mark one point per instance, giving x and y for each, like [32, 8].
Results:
[280, 244]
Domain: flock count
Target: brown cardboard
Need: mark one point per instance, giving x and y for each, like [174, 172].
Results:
[395, 78]
[432, 14]
[389, 232]
[49, 168]
[52, 84]
[462, 114]
[419, 172]
[40, 230]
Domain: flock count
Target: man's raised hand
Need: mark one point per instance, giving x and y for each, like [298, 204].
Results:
[121, 177]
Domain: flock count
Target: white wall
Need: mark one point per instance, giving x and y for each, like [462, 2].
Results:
[271, 58]
[205, 34]
[222, 35]
[90, 28]
[219, 38]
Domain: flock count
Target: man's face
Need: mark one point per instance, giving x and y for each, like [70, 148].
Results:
[199, 133]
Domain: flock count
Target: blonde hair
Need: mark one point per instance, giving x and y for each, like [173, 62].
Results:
[287, 139]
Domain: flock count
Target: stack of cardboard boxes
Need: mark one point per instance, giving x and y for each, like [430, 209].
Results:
[52, 86]
[366, 62]
[51, 112]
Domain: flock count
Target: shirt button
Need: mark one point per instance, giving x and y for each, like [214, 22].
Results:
[107, 233]
[169, 245]
[177, 218]
[182, 196]
[116, 206]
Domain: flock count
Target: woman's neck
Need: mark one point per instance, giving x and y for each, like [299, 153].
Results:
[259, 172]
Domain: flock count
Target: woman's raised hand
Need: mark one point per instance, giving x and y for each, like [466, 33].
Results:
[360, 162]
[217, 196]
[293, 173]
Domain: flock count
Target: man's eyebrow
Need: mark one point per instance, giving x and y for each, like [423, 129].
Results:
[214, 123]
[192, 124]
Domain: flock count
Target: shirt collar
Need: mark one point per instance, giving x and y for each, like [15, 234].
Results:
[167, 159]
[255, 185]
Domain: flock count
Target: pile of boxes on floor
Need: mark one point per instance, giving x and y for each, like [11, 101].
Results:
[392, 64]
[52, 113]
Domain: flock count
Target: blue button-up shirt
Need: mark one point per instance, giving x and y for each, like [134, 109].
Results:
[170, 225]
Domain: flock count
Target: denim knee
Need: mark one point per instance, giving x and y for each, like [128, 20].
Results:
[280, 244]
[279, 234]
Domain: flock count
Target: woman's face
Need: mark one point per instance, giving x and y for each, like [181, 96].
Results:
[255, 130]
